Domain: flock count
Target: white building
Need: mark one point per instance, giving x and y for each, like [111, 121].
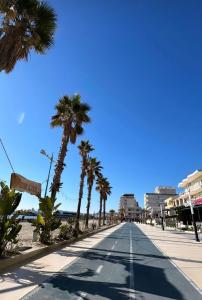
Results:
[154, 201]
[129, 204]
[192, 185]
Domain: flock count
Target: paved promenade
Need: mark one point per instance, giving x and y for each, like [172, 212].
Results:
[18, 282]
[117, 264]
[181, 247]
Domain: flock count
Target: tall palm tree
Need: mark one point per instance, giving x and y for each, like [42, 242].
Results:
[24, 25]
[84, 148]
[93, 170]
[112, 213]
[107, 192]
[70, 115]
[104, 188]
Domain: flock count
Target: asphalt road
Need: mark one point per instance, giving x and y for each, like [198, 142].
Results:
[124, 265]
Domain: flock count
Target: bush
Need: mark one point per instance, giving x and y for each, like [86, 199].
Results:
[66, 232]
[46, 221]
[187, 228]
[9, 225]
[93, 226]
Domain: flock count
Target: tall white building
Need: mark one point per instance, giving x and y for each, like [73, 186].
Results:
[153, 201]
[129, 204]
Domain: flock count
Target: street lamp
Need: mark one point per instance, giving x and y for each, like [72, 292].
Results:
[193, 217]
[162, 224]
[43, 152]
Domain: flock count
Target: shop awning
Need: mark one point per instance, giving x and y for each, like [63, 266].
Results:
[197, 201]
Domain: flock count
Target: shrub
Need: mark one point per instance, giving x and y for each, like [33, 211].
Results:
[66, 231]
[93, 226]
[46, 221]
[9, 225]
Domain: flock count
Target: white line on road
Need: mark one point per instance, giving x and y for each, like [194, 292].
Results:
[132, 286]
[83, 295]
[113, 247]
[108, 254]
[99, 269]
[116, 242]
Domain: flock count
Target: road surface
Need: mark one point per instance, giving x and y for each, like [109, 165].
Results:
[124, 265]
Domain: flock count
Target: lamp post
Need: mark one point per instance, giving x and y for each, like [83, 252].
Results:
[162, 225]
[152, 211]
[43, 152]
[193, 216]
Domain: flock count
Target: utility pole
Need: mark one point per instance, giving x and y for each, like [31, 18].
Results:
[193, 216]
[162, 224]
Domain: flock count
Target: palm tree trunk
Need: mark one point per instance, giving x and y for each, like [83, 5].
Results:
[104, 208]
[88, 204]
[80, 198]
[100, 211]
[60, 164]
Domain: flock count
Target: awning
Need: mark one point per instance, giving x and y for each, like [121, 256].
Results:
[197, 201]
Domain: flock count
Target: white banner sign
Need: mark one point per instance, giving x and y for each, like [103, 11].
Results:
[22, 184]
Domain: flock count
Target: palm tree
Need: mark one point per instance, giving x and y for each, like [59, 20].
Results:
[84, 148]
[70, 115]
[104, 188]
[107, 191]
[93, 170]
[112, 213]
[25, 25]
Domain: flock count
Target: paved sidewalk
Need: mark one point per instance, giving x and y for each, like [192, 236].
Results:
[184, 252]
[17, 283]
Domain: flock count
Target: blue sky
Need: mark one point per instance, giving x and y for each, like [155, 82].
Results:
[139, 65]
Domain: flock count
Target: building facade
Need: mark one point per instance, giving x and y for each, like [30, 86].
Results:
[129, 206]
[154, 201]
[192, 186]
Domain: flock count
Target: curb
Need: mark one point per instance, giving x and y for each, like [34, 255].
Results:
[22, 259]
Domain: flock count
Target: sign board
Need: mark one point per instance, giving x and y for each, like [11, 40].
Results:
[22, 184]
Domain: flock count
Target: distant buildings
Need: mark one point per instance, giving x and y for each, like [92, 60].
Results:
[153, 201]
[129, 207]
[176, 207]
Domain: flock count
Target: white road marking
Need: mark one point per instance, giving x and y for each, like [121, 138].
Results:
[108, 254]
[82, 295]
[113, 247]
[99, 269]
[116, 242]
[132, 286]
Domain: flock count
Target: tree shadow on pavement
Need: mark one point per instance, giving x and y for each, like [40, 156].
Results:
[80, 253]
[79, 279]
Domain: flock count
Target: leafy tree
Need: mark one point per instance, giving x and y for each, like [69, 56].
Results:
[70, 115]
[104, 188]
[9, 225]
[24, 25]
[84, 148]
[47, 222]
[93, 171]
